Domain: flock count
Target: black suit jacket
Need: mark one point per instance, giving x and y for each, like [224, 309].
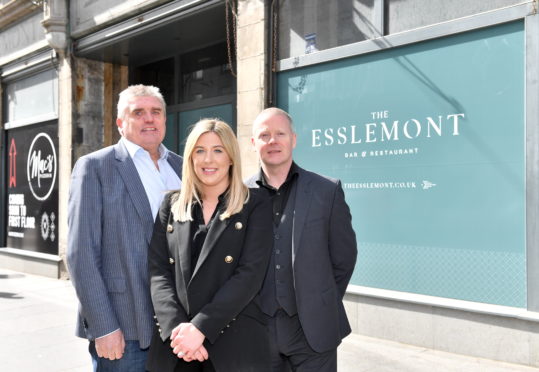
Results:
[324, 252]
[217, 296]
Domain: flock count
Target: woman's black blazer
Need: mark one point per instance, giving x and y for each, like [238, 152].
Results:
[218, 296]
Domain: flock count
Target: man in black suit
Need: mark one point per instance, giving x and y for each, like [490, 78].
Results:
[313, 257]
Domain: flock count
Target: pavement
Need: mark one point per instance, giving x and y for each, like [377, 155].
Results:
[37, 318]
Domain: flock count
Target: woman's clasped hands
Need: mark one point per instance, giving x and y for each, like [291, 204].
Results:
[186, 343]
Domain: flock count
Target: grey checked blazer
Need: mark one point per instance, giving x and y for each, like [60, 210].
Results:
[110, 228]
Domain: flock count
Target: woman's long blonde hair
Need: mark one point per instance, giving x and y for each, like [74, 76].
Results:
[237, 193]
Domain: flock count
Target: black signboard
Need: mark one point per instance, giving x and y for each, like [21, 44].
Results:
[32, 188]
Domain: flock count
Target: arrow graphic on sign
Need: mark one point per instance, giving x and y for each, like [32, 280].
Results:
[12, 164]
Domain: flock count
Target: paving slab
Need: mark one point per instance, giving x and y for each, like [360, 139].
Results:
[37, 335]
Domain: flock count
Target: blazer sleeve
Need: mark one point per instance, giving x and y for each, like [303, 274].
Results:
[84, 248]
[240, 289]
[342, 241]
[167, 307]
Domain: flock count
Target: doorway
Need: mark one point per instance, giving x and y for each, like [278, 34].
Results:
[196, 84]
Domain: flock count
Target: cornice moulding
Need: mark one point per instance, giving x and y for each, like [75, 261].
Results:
[15, 10]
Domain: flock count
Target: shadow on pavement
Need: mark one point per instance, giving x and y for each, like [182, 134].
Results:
[11, 296]
[11, 276]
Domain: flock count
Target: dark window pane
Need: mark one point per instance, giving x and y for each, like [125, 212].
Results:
[160, 74]
[206, 74]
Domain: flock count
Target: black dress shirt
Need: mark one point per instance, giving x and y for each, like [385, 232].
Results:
[199, 229]
[279, 196]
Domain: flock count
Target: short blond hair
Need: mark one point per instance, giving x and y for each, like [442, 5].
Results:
[237, 194]
[274, 111]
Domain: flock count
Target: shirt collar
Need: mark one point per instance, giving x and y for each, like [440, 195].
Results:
[291, 173]
[133, 148]
[221, 199]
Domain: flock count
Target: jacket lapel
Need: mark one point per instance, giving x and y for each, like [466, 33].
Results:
[134, 186]
[183, 235]
[216, 229]
[176, 164]
[303, 200]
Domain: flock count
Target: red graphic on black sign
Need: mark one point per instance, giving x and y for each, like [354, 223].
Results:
[12, 164]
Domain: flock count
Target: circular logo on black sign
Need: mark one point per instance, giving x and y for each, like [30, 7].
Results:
[41, 166]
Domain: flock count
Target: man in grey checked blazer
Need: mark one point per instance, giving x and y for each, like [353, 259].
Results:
[114, 197]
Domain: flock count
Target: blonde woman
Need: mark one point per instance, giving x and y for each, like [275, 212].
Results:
[207, 260]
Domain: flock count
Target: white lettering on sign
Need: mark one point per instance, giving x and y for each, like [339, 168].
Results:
[17, 214]
[385, 131]
[41, 166]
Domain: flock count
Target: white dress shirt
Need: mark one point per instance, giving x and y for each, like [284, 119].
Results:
[156, 181]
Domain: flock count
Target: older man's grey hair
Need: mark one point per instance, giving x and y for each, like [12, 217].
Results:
[138, 91]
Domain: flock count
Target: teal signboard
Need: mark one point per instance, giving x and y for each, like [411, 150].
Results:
[429, 143]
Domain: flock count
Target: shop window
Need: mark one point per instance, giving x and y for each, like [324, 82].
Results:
[30, 179]
[33, 99]
[205, 74]
[160, 74]
[410, 14]
[306, 26]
